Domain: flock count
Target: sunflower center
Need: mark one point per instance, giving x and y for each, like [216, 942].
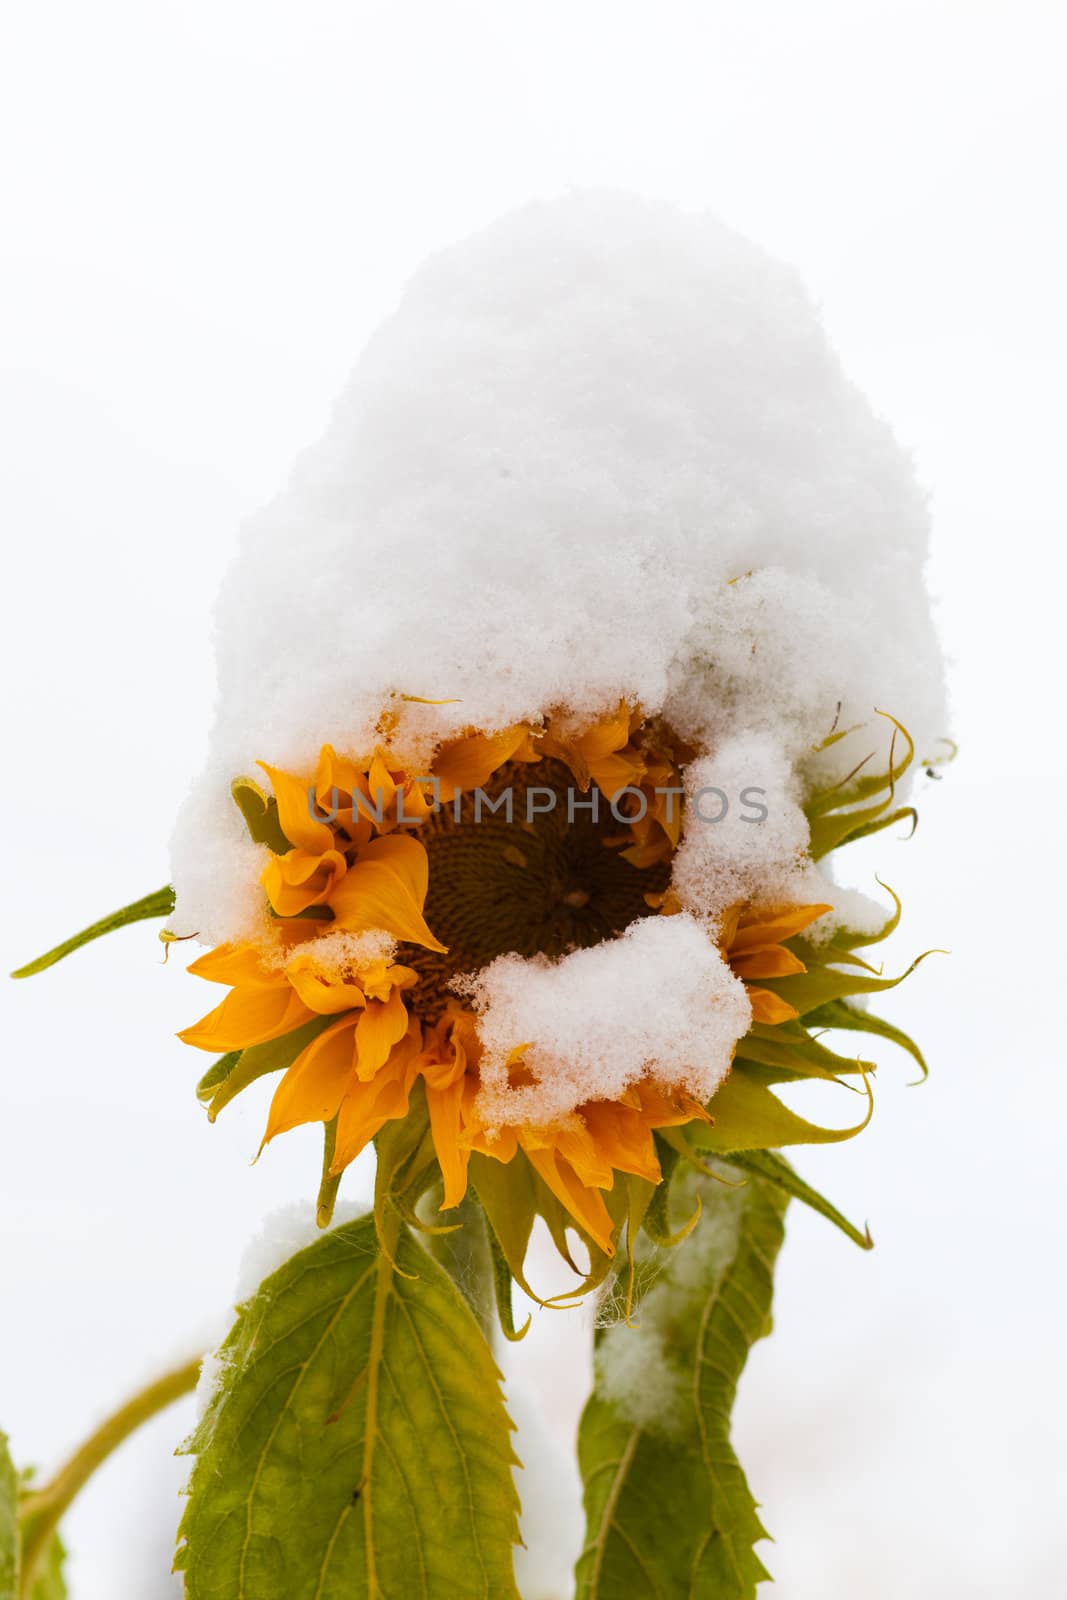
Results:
[526, 866]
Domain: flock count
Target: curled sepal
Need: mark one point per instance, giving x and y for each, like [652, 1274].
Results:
[160, 903]
[745, 1115]
[407, 1165]
[806, 991]
[657, 1219]
[502, 1286]
[260, 813]
[839, 1014]
[356, 1442]
[772, 1167]
[231, 1073]
[838, 816]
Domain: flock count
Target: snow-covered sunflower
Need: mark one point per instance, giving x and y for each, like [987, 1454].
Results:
[404, 910]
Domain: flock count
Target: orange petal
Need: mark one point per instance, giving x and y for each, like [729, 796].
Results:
[446, 1107]
[382, 1025]
[469, 762]
[367, 1107]
[314, 1086]
[772, 924]
[294, 811]
[299, 879]
[386, 889]
[234, 964]
[769, 1007]
[585, 1205]
[248, 1016]
[770, 961]
[326, 996]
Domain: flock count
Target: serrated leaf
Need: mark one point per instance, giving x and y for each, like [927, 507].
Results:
[9, 1524]
[158, 904]
[668, 1510]
[51, 1582]
[357, 1447]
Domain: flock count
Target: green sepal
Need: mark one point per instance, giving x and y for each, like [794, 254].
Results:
[806, 991]
[509, 1202]
[215, 1075]
[851, 790]
[502, 1282]
[768, 1164]
[260, 812]
[839, 1014]
[668, 1511]
[795, 1052]
[845, 827]
[357, 1442]
[257, 1061]
[747, 1116]
[330, 1181]
[407, 1165]
[160, 903]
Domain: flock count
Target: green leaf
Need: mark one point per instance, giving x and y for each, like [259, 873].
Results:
[9, 1526]
[357, 1446]
[51, 1583]
[668, 1510]
[158, 904]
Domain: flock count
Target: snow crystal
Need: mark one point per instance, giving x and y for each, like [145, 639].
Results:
[659, 999]
[746, 833]
[601, 451]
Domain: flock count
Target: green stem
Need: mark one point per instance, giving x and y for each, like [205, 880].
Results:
[41, 1509]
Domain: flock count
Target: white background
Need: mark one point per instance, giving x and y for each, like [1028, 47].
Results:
[205, 209]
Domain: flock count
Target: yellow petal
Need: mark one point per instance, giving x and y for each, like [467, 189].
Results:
[235, 964]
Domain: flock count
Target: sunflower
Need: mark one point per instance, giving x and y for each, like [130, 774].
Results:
[383, 887]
